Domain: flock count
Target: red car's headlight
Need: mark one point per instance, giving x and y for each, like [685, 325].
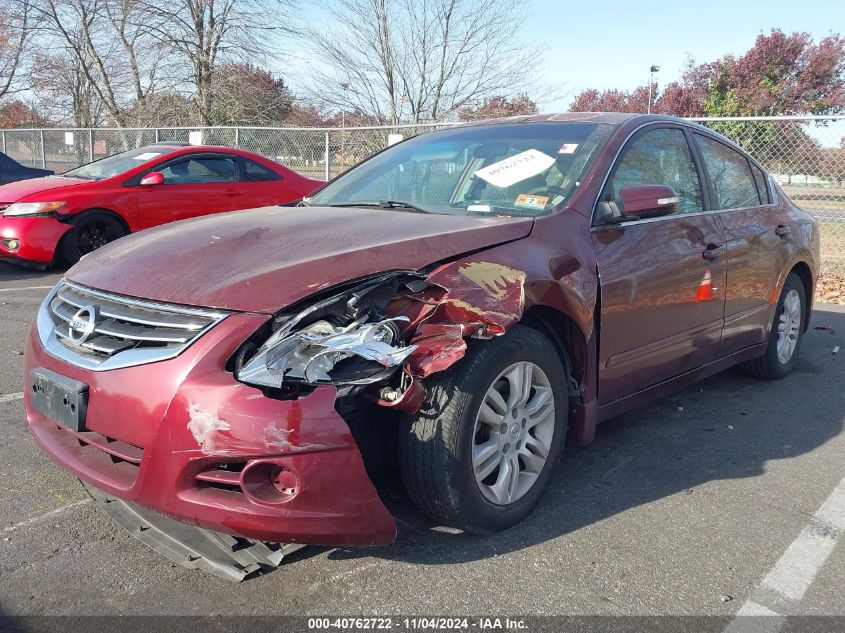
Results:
[32, 209]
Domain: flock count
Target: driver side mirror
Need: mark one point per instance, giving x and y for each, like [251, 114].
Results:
[648, 201]
[152, 178]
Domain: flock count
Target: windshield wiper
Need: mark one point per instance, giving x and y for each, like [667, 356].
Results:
[382, 204]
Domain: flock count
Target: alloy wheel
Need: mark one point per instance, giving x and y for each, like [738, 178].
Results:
[513, 433]
[93, 234]
[789, 326]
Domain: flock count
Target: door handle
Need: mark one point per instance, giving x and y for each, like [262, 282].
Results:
[713, 251]
[231, 192]
[783, 230]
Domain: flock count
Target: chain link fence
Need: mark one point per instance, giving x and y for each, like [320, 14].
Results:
[806, 155]
[314, 152]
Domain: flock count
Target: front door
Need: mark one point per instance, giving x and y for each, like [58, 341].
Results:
[662, 279]
[194, 185]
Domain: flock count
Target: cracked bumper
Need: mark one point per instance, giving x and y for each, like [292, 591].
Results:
[184, 438]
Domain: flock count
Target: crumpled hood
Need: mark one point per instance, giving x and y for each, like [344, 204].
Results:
[262, 260]
[15, 191]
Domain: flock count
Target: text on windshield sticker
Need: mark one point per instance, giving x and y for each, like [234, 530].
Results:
[516, 168]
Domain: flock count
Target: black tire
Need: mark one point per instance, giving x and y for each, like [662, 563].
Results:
[770, 366]
[91, 230]
[435, 446]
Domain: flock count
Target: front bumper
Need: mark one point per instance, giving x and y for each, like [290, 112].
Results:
[38, 239]
[184, 438]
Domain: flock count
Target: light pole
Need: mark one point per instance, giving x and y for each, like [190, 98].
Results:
[344, 85]
[653, 69]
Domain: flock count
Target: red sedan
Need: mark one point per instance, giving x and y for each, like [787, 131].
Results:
[65, 217]
[458, 304]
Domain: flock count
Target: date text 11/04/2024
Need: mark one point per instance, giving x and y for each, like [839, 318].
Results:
[418, 624]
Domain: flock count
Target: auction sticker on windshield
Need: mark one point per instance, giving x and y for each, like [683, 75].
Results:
[516, 168]
[147, 155]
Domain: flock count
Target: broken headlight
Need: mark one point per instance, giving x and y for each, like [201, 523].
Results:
[346, 340]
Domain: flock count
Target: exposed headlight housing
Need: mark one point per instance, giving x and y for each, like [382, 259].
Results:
[32, 209]
[346, 339]
[367, 351]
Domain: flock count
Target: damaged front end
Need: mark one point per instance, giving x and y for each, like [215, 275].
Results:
[380, 336]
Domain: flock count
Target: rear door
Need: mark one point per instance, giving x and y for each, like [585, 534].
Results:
[662, 279]
[194, 185]
[757, 237]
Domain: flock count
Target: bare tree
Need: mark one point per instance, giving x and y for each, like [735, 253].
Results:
[18, 21]
[420, 59]
[205, 33]
[110, 43]
[64, 92]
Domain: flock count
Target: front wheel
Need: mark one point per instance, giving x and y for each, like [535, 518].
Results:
[786, 333]
[90, 232]
[480, 452]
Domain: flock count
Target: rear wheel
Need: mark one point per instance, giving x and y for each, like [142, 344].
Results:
[786, 334]
[481, 450]
[90, 232]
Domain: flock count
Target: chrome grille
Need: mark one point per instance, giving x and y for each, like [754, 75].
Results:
[99, 330]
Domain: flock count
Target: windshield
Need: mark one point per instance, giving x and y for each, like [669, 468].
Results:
[524, 169]
[118, 163]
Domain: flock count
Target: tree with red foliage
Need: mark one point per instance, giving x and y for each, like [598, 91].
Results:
[780, 75]
[611, 101]
[499, 106]
[18, 114]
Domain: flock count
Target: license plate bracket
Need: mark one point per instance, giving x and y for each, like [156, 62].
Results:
[58, 397]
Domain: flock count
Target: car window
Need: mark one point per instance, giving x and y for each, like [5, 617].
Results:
[253, 172]
[730, 173]
[760, 179]
[515, 169]
[200, 170]
[120, 163]
[660, 157]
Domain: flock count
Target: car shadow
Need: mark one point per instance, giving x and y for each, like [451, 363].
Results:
[726, 427]
[15, 272]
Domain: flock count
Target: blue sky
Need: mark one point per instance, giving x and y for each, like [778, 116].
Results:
[612, 44]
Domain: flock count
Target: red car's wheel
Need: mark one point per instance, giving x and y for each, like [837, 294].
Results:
[480, 452]
[786, 333]
[90, 232]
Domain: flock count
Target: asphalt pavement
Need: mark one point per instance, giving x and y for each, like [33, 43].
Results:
[725, 498]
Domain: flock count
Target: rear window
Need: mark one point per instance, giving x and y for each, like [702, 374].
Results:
[253, 172]
[730, 173]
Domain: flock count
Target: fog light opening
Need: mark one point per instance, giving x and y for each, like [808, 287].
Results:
[284, 481]
[11, 245]
[270, 483]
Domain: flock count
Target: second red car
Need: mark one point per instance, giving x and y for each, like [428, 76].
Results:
[65, 217]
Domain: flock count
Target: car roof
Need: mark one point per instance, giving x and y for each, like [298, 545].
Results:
[180, 148]
[611, 118]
